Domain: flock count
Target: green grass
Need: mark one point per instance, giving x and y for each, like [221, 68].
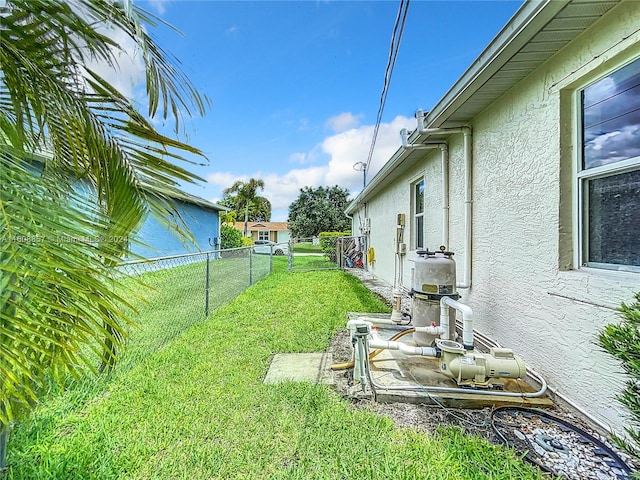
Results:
[306, 247]
[312, 262]
[197, 408]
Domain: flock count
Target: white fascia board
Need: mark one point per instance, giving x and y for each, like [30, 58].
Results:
[523, 26]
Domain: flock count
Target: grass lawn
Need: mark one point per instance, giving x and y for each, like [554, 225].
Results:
[306, 247]
[197, 408]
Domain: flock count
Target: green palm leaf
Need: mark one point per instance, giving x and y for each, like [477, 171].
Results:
[58, 306]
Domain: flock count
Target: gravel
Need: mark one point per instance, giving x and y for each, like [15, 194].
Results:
[427, 418]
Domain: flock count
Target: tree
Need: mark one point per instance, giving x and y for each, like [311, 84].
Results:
[242, 198]
[319, 210]
[58, 245]
[228, 217]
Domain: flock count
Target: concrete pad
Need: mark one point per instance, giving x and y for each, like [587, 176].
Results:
[301, 367]
[393, 371]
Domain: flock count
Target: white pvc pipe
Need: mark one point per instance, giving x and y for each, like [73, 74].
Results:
[439, 330]
[468, 208]
[468, 180]
[429, 388]
[444, 322]
[402, 347]
[445, 194]
[373, 320]
[467, 319]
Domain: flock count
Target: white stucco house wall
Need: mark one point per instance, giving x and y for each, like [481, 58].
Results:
[531, 176]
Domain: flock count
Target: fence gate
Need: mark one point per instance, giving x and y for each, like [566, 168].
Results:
[326, 253]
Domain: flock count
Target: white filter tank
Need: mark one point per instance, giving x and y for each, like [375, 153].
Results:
[434, 277]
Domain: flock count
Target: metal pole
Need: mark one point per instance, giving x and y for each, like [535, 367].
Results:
[4, 436]
[250, 266]
[206, 290]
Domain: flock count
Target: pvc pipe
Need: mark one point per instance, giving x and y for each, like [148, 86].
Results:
[403, 348]
[468, 178]
[444, 322]
[373, 320]
[468, 208]
[444, 149]
[467, 319]
[423, 130]
[430, 388]
[430, 330]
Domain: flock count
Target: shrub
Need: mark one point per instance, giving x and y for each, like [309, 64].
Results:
[328, 243]
[230, 237]
[623, 342]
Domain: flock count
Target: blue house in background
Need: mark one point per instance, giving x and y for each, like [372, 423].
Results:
[201, 216]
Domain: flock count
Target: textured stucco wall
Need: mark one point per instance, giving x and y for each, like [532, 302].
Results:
[154, 240]
[527, 292]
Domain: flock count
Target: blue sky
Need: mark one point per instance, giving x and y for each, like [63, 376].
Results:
[295, 86]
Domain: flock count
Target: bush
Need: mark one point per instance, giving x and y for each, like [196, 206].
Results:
[230, 237]
[328, 243]
[623, 342]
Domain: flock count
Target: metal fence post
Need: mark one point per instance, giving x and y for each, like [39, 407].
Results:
[250, 266]
[4, 436]
[206, 289]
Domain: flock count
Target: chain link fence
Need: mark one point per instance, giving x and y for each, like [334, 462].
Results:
[172, 294]
[327, 253]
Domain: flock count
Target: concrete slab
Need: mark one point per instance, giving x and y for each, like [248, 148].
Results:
[301, 367]
[407, 378]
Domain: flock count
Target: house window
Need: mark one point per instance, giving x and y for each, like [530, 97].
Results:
[609, 171]
[417, 200]
[263, 235]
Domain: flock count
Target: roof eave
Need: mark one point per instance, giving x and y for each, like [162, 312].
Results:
[522, 27]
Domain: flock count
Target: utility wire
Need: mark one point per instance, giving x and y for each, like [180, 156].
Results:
[391, 61]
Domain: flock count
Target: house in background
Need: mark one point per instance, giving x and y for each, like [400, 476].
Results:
[277, 232]
[528, 169]
[202, 218]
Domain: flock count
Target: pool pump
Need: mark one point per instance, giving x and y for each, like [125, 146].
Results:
[476, 369]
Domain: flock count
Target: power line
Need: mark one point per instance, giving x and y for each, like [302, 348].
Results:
[396, 36]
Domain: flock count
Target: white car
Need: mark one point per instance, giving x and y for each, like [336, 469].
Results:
[267, 247]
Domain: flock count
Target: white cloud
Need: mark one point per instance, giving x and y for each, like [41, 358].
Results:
[129, 73]
[343, 150]
[159, 6]
[352, 146]
[299, 157]
[343, 121]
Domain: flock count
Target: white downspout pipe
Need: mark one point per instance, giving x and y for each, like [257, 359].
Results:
[468, 197]
[444, 150]
[467, 319]
[468, 208]
[445, 194]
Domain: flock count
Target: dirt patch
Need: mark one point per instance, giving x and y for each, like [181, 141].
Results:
[424, 418]
[427, 418]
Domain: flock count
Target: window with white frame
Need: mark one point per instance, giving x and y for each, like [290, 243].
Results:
[263, 234]
[609, 171]
[417, 207]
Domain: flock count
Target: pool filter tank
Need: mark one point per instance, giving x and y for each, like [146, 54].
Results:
[434, 277]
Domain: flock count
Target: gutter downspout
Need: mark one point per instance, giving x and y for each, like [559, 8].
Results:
[468, 207]
[444, 150]
[468, 180]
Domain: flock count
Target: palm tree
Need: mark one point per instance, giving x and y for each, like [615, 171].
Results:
[228, 217]
[63, 125]
[244, 198]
